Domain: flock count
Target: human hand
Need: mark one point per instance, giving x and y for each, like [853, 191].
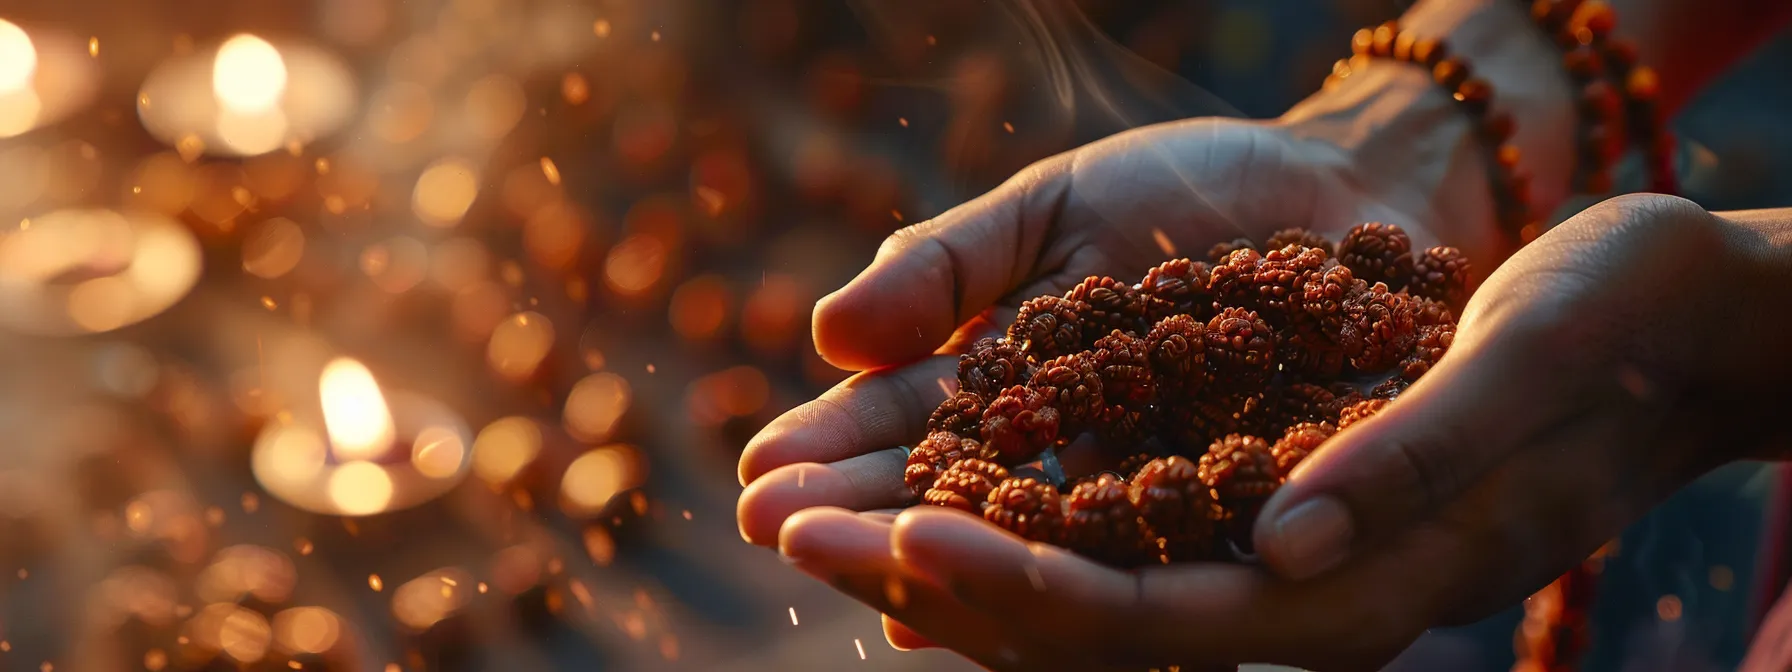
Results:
[1614, 360]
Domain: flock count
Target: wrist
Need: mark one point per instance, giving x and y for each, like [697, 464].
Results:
[1413, 147]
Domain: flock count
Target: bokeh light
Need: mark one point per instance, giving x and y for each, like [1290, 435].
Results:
[355, 412]
[519, 344]
[307, 630]
[444, 191]
[18, 58]
[504, 447]
[248, 74]
[594, 406]
[360, 488]
[597, 476]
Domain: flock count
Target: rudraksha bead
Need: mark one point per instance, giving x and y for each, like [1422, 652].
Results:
[1178, 509]
[1384, 323]
[1028, 507]
[1377, 252]
[1233, 279]
[1298, 236]
[1441, 273]
[1322, 299]
[1133, 462]
[1280, 280]
[1218, 253]
[1019, 424]
[1297, 403]
[1178, 352]
[1048, 326]
[1298, 442]
[1071, 385]
[1242, 473]
[1241, 348]
[936, 452]
[1124, 363]
[1433, 342]
[992, 365]
[1111, 305]
[1177, 287]
[960, 414]
[1102, 523]
[1359, 412]
[966, 485]
[1390, 388]
[1430, 312]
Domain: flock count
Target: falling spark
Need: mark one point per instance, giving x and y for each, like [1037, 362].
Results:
[550, 170]
[251, 502]
[931, 41]
[303, 545]
[1163, 242]
[650, 368]
[5, 645]
[93, 47]
[373, 581]
[802, 473]
[656, 36]
[268, 303]
[687, 514]
[482, 588]
[295, 665]
[860, 646]
[793, 616]
[323, 166]
[1034, 578]
[1008, 127]
[896, 214]
[903, 121]
[601, 28]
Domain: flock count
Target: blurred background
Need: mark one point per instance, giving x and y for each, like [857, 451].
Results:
[372, 335]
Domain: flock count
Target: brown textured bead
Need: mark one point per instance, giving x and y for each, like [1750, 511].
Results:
[1297, 403]
[1377, 252]
[936, 452]
[1433, 342]
[1642, 83]
[1381, 42]
[1298, 442]
[1431, 312]
[1231, 282]
[1071, 385]
[1583, 64]
[1123, 361]
[960, 414]
[1359, 412]
[1403, 44]
[1241, 348]
[1595, 17]
[1101, 523]
[1322, 299]
[1178, 509]
[1475, 95]
[1390, 388]
[1281, 277]
[1048, 326]
[1178, 351]
[1450, 73]
[1384, 323]
[1362, 41]
[1298, 236]
[1242, 474]
[1019, 424]
[1441, 273]
[1028, 507]
[1134, 461]
[1112, 305]
[1193, 424]
[1218, 253]
[966, 485]
[991, 366]
[1177, 287]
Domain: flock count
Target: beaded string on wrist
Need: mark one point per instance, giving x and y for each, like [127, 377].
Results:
[1511, 187]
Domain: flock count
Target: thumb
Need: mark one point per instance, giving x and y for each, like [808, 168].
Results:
[1439, 438]
[930, 278]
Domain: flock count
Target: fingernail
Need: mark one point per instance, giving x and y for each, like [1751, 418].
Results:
[1314, 536]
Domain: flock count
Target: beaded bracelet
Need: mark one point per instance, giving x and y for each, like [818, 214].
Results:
[1617, 95]
[1511, 187]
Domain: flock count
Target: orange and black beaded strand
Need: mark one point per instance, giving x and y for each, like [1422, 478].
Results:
[1617, 95]
[1511, 186]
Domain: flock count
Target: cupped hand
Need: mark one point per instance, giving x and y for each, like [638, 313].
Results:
[1116, 207]
[1609, 363]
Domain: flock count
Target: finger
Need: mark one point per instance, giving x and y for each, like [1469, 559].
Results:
[902, 638]
[852, 554]
[931, 277]
[870, 411]
[1196, 616]
[1480, 404]
[861, 483]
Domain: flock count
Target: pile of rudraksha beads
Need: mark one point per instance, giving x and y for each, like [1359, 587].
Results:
[1203, 385]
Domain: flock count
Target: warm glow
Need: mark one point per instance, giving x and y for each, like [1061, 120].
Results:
[307, 629]
[519, 344]
[437, 452]
[595, 477]
[444, 191]
[427, 599]
[504, 447]
[360, 488]
[355, 412]
[273, 248]
[594, 405]
[249, 75]
[18, 57]
[19, 110]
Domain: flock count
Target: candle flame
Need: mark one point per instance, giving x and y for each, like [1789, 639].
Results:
[355, 413]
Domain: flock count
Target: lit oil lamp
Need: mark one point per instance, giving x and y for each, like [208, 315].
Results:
[43, 77]
[90, 271]
[376, 451]
[246, 97]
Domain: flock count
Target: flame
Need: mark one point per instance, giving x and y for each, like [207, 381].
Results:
[249, 75]
[18, 58]
[355, 413]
